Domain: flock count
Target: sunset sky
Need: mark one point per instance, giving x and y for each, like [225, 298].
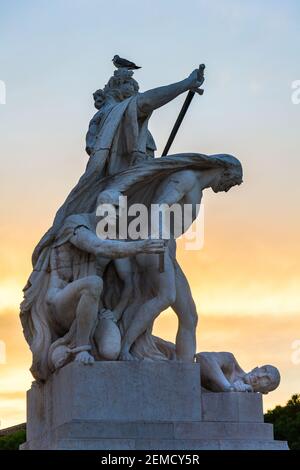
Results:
[54, 55]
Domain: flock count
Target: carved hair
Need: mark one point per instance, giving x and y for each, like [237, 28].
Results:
[112, 88]
[232, 175]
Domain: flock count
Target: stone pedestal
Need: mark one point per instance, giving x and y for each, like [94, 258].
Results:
[141, 405]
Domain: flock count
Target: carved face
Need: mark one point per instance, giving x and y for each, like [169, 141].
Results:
[127, 88]
[111, 204]
[226, 180]
[263, 379]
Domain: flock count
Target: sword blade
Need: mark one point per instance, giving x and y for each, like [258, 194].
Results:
[178, 122]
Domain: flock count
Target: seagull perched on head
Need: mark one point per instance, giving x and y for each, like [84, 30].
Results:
[123, 63]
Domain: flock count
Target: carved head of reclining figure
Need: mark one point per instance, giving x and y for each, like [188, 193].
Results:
[263, 379]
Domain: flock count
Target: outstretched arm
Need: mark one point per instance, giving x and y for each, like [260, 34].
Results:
[86, 240]
[153, 99]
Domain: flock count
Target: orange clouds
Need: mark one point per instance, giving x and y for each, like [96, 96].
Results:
[15, 377]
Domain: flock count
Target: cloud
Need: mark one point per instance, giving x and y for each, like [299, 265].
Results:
[12, 395]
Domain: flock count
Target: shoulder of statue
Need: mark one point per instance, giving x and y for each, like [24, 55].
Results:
[71, 223]
[78, 220]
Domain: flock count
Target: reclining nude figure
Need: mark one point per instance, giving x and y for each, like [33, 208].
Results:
[171, 288]
[220, 372]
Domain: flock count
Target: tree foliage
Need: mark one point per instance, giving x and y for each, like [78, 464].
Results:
[12, 441]
[286, 421]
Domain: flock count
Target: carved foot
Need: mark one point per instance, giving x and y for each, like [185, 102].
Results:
[84, 358]
[126, 356]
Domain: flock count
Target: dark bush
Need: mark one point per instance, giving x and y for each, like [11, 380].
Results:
[12, 441]
[286, 421]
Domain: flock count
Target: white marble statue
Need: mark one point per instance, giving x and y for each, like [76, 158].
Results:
[220, 372]
[89, 299]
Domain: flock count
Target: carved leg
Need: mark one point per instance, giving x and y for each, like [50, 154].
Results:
[124, 270]
[185, 309]
[80, 300]
[164, 286]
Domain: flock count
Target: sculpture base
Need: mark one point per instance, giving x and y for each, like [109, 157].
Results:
[141, 405]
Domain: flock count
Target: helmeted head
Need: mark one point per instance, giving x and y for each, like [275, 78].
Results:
[263, 379]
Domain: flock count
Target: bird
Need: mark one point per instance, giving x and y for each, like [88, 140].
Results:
[124, 63]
